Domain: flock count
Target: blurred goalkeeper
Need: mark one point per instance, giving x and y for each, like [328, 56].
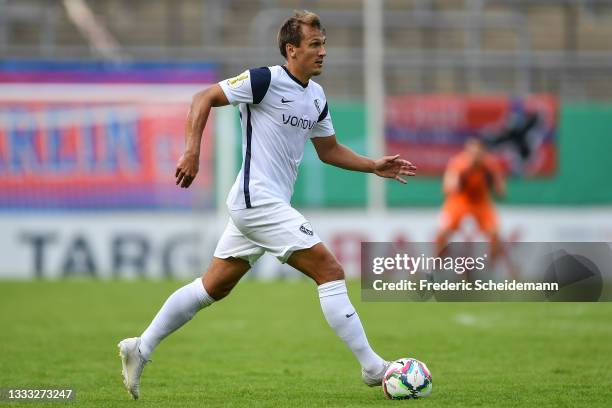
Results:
[281, 109]
[470, 178]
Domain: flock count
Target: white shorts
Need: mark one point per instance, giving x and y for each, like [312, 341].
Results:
[275, 228]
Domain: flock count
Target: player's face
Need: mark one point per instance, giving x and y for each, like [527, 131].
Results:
[476, 150]
[311, 52]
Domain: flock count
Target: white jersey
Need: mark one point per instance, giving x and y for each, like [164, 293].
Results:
[278, 115]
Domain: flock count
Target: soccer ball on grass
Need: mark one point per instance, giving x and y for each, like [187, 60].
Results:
[407, 378]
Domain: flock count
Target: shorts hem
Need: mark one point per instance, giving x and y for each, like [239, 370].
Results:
[251, 259]
[288, 251]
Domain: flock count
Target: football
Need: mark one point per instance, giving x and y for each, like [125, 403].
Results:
[407, 378]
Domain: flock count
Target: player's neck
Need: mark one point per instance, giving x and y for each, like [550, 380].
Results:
[298, 74]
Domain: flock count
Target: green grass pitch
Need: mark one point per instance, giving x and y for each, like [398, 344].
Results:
[268, 344]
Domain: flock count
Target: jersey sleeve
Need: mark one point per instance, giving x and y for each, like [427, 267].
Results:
[249, 87]
[324, 126]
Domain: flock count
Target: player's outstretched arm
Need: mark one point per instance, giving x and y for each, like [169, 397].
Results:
[451, 181]
[499, 185]
[336, 154]
[202, 102]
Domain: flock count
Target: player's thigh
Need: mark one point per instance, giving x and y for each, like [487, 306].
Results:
[451, 217]
[318, 263]
[233, 257]
[223, 274]
[486, 218]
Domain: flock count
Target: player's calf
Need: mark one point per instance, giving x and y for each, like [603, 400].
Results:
[223, 275]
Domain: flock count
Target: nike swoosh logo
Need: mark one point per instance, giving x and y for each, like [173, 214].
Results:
[283, 100]
[349, 315]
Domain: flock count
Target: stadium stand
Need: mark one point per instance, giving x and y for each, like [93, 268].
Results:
[466, 46]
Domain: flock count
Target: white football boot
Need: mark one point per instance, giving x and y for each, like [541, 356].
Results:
[132, 364]
[376, 380]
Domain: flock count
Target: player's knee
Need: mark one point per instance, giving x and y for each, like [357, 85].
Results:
[491, 234]
[218, 293]
[218, 290]
[332, 271]
[443, 235]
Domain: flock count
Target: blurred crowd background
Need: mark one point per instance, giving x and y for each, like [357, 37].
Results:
[93, 97]
[517, 46]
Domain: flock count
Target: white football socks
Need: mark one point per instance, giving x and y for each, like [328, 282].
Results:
[178, 309]
[343, 319]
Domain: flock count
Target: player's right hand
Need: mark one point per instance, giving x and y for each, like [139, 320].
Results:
[187, 169]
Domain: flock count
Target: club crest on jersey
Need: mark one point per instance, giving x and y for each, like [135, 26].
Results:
[237, 81]
[306, 228]
[317, 105]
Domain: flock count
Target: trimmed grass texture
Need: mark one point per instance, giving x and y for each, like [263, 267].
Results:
[268, 344]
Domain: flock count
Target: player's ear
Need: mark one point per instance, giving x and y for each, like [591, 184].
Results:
[290, 50]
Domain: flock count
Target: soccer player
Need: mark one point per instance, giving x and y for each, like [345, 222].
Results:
[469, 179]
[280, 108]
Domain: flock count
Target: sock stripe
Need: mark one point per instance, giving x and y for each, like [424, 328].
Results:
[332, 288]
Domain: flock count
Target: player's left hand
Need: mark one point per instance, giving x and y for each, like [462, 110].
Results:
[394, 167]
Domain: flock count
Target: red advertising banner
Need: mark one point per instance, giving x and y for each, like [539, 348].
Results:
[519, 131]
[78, 148]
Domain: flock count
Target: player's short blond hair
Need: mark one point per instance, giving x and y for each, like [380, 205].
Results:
[291, 30]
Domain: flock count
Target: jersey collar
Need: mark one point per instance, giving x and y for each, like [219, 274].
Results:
[300, 83]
